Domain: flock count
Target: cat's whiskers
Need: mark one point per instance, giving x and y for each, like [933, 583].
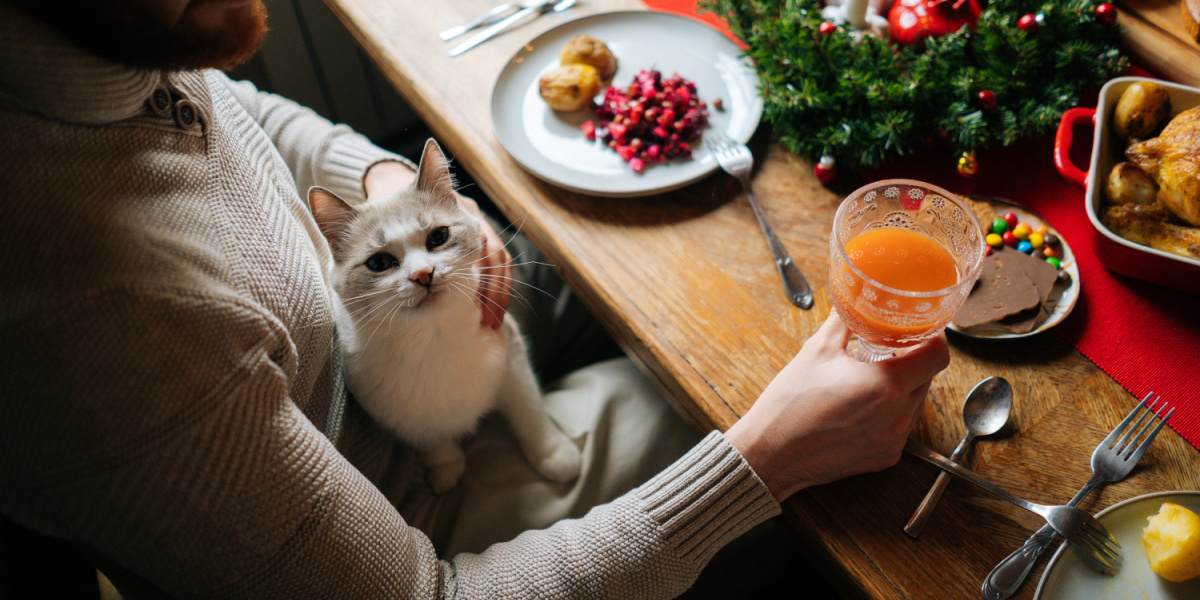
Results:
[512, 279]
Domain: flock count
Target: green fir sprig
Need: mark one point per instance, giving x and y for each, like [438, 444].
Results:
[865, 100]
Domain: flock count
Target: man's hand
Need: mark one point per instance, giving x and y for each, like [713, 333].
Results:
[827, 416]
[495, 281]
[495, 270]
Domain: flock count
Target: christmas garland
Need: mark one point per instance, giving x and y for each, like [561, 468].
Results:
[837, 95]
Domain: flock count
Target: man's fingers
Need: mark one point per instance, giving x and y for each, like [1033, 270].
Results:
[833, 333]
[918, 366]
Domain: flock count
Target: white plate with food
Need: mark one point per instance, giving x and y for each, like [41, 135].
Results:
[1067, 578]
[1060, 299]
[551, 143]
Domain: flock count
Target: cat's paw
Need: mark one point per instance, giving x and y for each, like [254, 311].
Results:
[561, 462]
[443, 477]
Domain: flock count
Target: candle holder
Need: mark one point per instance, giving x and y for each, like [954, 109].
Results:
[858, 16]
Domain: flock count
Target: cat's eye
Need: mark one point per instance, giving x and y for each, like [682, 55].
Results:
[381, 261]
[437, 237]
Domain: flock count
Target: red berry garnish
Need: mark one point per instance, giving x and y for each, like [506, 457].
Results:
[649, 120]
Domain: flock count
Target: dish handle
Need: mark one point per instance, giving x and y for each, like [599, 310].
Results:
[1065, 138]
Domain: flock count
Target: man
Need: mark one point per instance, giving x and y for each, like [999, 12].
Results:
[173, 406]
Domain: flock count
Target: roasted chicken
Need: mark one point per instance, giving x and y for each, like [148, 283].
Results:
[1173, 160]
[1148, 225]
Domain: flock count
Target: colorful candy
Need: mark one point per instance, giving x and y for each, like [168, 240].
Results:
[1037, 242]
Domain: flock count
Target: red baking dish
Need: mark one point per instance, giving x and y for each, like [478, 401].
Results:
[1116, 252]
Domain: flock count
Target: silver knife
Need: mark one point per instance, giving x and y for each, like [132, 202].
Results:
[527, 7]
[487, 18]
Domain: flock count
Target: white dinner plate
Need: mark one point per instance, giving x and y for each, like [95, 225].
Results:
[551, 146]
[1060, 308]
[1067, 578]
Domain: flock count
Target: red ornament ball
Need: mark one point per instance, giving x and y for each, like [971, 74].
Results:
[1106, 13]
[987, 99]
[1028, 23]
[827, 28]
[825, 169]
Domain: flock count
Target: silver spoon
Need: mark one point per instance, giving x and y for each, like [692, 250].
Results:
[985, 412]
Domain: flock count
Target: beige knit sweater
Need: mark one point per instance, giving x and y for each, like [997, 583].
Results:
[172, 398]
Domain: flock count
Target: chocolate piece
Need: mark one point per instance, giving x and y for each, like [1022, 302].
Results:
[1043, 277]
[1051, 240]
[1003, 289]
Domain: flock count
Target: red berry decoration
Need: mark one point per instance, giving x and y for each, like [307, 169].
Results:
[825, 169]
[827, 28]
[1028, 23]
[1106, 13]
[987, 99]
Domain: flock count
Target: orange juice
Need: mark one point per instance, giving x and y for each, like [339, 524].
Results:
[902, 259]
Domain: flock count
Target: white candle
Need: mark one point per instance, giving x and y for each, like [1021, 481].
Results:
[856, 13]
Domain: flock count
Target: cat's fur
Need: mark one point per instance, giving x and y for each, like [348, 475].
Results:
[417, 357]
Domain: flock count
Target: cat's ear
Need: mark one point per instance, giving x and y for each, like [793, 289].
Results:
[433, 174]
[332, 214]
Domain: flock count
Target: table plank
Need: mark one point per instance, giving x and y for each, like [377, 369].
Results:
[686, 284]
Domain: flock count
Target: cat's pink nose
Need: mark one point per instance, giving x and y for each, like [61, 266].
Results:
[423, 277]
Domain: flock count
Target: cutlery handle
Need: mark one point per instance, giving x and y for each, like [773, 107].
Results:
[484, 19]
[494, 30]
[1006, 578]
[920, 451]
[797, 287]
[916, 523]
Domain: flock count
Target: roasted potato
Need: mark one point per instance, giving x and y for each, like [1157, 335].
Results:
[1128, 184]
[587, 50]
[1172, 543]
[569, 87]
[1142, 108]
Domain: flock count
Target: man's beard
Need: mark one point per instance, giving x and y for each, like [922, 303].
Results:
[139, 38]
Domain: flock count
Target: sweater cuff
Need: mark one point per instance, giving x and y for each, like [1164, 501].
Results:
[706, 499]
[346, 163]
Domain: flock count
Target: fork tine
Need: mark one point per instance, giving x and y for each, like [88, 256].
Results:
[1141, 449]
[1111, 438]
[1127, 450]
[1149, 408]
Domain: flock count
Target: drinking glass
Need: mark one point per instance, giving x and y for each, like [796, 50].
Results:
[885, 318]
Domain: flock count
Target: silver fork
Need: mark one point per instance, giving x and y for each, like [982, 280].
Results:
[1068, 521]
[735, 158]
[1112, 460]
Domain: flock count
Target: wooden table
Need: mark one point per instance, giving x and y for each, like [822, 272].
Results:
[686, 284]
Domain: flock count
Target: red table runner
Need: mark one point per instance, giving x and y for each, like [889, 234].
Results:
[1146, 337]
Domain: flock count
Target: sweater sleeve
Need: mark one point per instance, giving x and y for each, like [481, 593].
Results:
[162, 437]
[316, 151]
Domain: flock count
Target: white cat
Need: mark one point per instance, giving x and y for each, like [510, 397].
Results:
[417, 358]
